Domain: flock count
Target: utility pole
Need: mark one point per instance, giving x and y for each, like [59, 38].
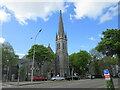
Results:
[32, 69]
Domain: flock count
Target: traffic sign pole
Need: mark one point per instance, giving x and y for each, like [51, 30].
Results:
[108, 80]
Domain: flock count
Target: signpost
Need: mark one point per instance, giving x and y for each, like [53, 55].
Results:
[108, 80]
[106, 74]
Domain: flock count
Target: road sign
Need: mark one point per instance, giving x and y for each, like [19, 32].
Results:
[106, 74]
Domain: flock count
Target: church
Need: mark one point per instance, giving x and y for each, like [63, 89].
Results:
[58, 66]
[62, 62]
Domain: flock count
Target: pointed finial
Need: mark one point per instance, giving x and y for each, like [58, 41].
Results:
[49, 45]
[61, 27]
[60, 11]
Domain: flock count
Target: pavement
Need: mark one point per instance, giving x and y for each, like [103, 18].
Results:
[24, 83]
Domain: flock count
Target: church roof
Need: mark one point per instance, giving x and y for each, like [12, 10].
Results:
[61, 26]
[50, 48]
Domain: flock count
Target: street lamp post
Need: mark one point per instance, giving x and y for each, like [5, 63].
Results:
[32, 71]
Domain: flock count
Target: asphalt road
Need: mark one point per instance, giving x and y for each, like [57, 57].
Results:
[83, 83]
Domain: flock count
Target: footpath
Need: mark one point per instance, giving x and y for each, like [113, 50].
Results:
[27, 83]
[24, 83]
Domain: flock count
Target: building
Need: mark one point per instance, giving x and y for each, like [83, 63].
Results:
[60, 65]
[62, 62]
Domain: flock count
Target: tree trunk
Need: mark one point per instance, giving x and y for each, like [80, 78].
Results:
[72, 72]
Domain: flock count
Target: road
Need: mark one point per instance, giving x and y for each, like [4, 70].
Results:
[83, 83]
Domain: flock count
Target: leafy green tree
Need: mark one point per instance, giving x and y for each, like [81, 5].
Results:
[21, 72]
[101, 62]
[9, 59]
[84, 58]
[110, 43]
[41, 54]
[8, 56]
[72, 59]
[80, 61]
[107, 63]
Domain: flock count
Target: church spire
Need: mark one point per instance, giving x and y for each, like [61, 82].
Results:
[61, 27]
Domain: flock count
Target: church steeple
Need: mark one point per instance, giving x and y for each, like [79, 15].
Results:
[62, 62]
[61, 27]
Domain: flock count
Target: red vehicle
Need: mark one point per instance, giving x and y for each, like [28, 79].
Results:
[39, 78]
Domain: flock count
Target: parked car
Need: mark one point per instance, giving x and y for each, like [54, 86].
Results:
[99, 76]
[68, 78]
[75, 77]
[39, 78]
[72, 78]
[57, 78]
[90, 77]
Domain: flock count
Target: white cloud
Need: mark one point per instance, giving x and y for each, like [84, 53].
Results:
[57, 0]
[94, 9]
[4, 17]
[91, 38]
[113, 11]
[100, 35]
[71, 16]
[2, 40]
[32, 10]
[20, 54]
[24, 10]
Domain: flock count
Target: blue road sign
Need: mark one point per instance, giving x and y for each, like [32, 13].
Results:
[106, 71]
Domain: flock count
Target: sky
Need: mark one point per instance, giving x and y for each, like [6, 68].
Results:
[83, 21]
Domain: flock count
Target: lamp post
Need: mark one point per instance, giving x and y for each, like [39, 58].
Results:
[32, 71]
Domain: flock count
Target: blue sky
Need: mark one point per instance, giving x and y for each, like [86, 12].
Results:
[83, 23]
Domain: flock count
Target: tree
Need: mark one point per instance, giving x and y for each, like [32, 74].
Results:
[84, 58]
[80, 61]
[72, 59]
[95, 54]
[21, 72]
[108, 63]
[110, 43]
[9, 59]
[41, 54]
[8, 56]
[95, 66]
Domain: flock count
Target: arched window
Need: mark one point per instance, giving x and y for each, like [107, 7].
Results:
[59, 46]
[63, 46]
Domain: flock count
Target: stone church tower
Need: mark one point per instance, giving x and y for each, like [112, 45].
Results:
[62, 62]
